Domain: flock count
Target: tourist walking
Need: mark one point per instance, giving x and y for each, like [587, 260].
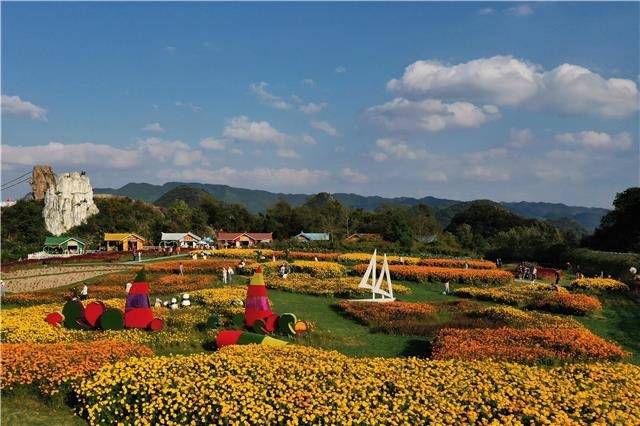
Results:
[181, 269]
[557, 277]
[224, 275]
[127, 287]
[2, 289]
[446, 287]
[534, 274]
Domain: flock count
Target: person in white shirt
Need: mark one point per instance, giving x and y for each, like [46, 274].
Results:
[224, 275]
[84, 294]
[127, 287]
[446, 287]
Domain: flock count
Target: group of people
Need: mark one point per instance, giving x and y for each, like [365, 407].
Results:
[83, 295]
[527, 272]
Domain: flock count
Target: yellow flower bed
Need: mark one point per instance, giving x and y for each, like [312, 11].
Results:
[515, 317]
[307, 284]
[319, 269]
[27, 325]
[224, 300]
[365, 257]
[598, 284]
[301, 385]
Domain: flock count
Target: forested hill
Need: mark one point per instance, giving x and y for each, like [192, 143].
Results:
[259, 201]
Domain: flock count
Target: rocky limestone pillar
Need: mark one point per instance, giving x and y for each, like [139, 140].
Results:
[68, 203]
[42, 178]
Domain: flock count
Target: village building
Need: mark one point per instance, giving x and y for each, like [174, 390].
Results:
[242, 239]
[63, 245]
[359, 237]
[179, 239]
[125, 241]
[306, 237]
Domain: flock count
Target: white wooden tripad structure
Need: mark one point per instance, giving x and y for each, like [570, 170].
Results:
[375, 285]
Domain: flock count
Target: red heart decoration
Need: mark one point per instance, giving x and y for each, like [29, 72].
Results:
[93, 312]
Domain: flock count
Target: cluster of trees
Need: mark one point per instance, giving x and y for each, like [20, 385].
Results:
[480, 228]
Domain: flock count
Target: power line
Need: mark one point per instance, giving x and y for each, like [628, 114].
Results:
[4, 188]
[7, 183]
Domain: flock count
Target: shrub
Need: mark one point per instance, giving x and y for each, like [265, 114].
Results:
[524, 345]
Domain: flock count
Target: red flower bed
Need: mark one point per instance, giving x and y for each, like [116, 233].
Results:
[393, 317]
[524, 345]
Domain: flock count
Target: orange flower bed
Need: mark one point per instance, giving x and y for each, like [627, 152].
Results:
[429, 273]
[563, 302]
[392, 317]
[48, 366]
[524, 345]
[191, 266]
[458, 263]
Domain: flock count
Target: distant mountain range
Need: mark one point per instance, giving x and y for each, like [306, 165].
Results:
[259, 201]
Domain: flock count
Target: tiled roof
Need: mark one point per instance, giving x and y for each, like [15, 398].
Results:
[177, 236]
[258, 236]
[315, 236]
[110, 236]
[56, 241]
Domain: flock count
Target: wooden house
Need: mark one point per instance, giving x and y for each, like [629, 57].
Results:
[125, 241]
[179, 239]
[242, 239]
[306, 237]
[63, 245]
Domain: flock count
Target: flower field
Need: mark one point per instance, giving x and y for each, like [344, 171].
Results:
[49, 366]
[236, 386]
[599, 284]
[319, 269]
[392, 317]
[524, 345]
[540, 297]
[308, 284]
[429, 273]
[50, 277]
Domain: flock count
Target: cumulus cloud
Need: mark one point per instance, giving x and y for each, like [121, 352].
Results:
[429, 115]
[354, 176]
[190, 105]
[13, 105]
[242, 129]
[519, 138]
[505, 80]
[324, 126]
[486, 11]
[308, 139]
[312, 107]
[267, 98]
[397, 149]
[309, 82]
[435, 176]
[340, 69]
[487, 173]
[71, 155]
[170, 49]
[213, 144]
[520, 10]
[153, 127]
[255, 177]
[596, 140]
[287, 153]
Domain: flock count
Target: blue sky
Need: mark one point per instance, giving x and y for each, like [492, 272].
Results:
[508, 101]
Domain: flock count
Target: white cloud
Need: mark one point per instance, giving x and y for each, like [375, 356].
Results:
[170, 49]
[176, 152]
[308, 139]
[505, 80]
[324, 127]
[379, 156]
[274, 178]
[520, 10]
[236, 151]
[267, 98]
[487, 173]
[71, 155]
[213, 144]
[312, 107]
[429, 115]
[193, 107]
[309, 82]
[153, 127]
[242, 129]
[486, 11]
[396, 149]
[519, 138]
[287, 153]
[354, 176]
[13, 105]
[597, 140]
[340, 69]
[435, 176]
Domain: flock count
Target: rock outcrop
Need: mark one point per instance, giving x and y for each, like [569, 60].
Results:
[42, 178]
[68, 202]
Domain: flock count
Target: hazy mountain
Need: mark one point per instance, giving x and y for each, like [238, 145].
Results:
[259, 201]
